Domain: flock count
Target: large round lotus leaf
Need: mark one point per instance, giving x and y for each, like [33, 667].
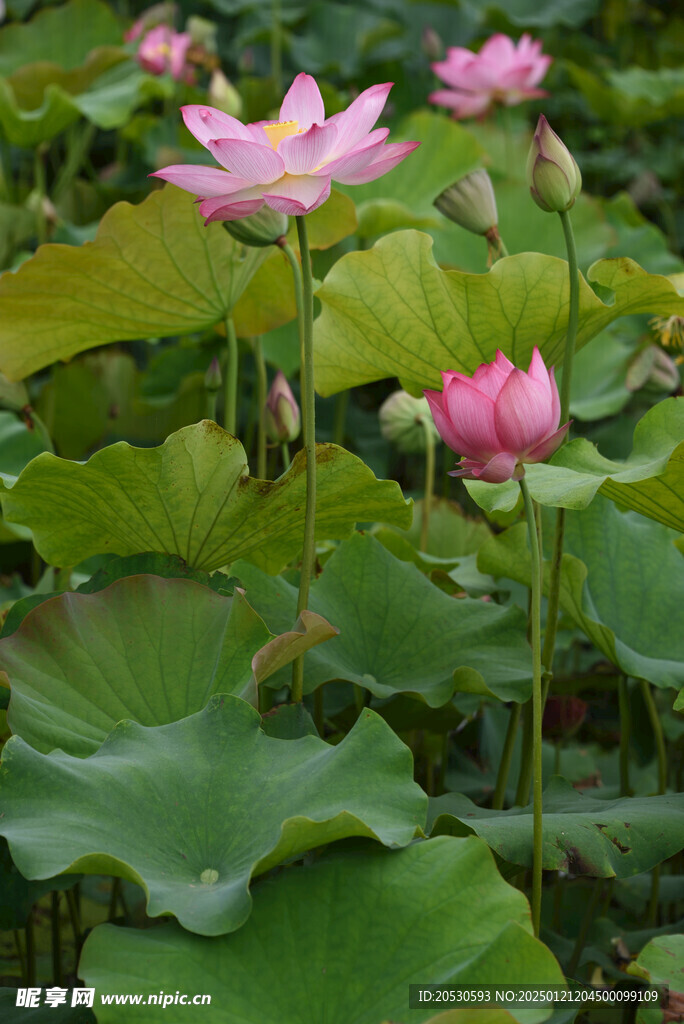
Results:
[64, 35]
[636, 625]
[192, 497]
[603, 838]
[336, 942]
[398, 632]
[192, 810]
[650, 481]
[392, 312]
[153, 270]
[145, 648]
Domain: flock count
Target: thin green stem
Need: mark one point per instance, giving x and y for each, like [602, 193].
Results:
[262, 394]
[444, 762]
[74, 917]
[30, 950]
[522, 793]
[568, 356]
[114, 898]
[658, 734]
[625, 730]
[537, 835]
[340, 417]
[212, 397]
[7, 173]
[20, 952]
[39, 184]
[308, 396]
[359, 698]
[573, 315]
[56, 940]
[230, 383]
[429, 483]
[583, 933]
[285, 450]
[79, 141]
[276, 47]
[506, 758]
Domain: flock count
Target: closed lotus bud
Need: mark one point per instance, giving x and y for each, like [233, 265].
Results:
[223, 94]
[652, 367]
[431, 44]
[265, 227]
[470, 203]
[281, 413]
[552, 172]
[213, 378]
[404, 420]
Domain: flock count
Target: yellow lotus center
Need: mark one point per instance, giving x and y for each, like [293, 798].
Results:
[281, 130]
[164, 50]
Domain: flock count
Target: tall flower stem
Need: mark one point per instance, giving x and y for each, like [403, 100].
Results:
[429, 483]
[506, 757]
[658, 734]
[230, 392]
[568, 356]
[262, 394]
[625, 729]
[304, 296]
[537, 710]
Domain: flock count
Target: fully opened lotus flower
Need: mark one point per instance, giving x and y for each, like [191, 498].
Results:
[288, 164]
[499, 418]
[502, 72]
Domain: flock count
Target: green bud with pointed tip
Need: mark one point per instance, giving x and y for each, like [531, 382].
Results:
[265, 227]
[213, 378]
[552, 172]
[470, 203]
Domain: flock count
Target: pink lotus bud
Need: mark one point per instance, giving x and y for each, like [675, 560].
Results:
[163, 50]
[500, 418]
[552, 172]
[431, 44]
[213, 378]
[282, 412]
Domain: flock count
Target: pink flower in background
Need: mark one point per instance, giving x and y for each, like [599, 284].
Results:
[499, 418]
[287, 164]
[502, 72]
[163, 50]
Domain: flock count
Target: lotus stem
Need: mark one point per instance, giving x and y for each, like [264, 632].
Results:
[625, 729]
[658, 734]
[308, 396]
[285, 450]
[56, 943]
[30, 950]
[429, 483]
[581, 939]
[537, 710]
[506, 758]
[262, 395]
[568, 356]
[230, 392]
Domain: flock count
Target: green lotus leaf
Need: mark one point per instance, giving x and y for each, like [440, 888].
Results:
[193, 810]
[636, 625]
[153, 270]
[192, 497]
[370, 921]
[581, 834]
[148, 649]
[650, 481]
[661, 962]
[398, 632]
[63, 35]
[392, 312]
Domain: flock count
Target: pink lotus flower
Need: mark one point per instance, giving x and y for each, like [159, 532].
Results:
[287, 164]
[499, 418]
[500, 73]
[163, 50]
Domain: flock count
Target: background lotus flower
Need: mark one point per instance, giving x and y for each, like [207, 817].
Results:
[287, 164]
[502, 72]
[163, 50]
[499, 418]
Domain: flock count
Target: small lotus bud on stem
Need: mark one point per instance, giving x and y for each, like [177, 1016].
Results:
[470, 202]
[223, 94]
[265, 227]
[281, 415]
[552, 172]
